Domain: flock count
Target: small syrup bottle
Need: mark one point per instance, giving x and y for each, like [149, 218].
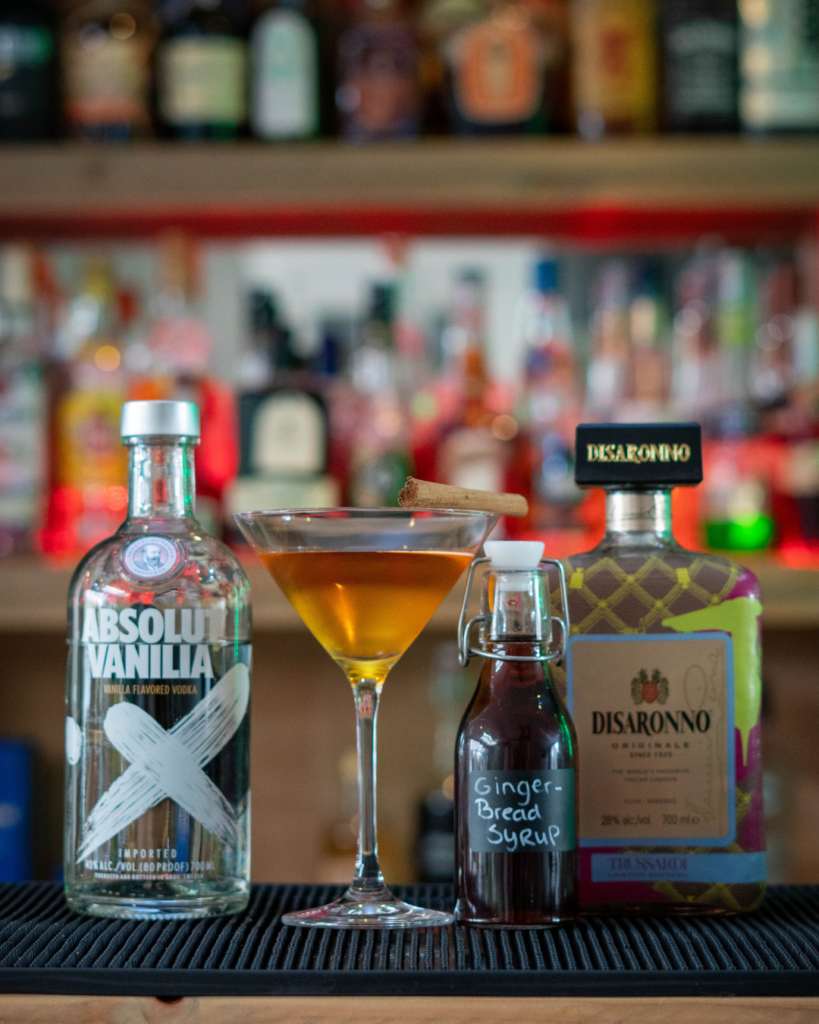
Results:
[515, 808]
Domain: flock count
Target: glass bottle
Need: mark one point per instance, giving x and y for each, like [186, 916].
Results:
[663, 682]
[700, 43]
[614, 66]
[201, 69]
[551, 408]
[87, 493]
[157, 821]
[378, 93]
[380, 458]
[107, 48]
[607, 371]
[515, 808]
[22, 399]
[179, 349]
[284, 428]
[285, 62]
[502, 63]
[779, 65]
[649, 370]
[474, 449]
[28, 65]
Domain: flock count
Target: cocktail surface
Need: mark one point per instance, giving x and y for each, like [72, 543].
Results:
[366, 607]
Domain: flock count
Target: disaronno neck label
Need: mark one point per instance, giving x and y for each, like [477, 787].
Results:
[638, 455]
[655, 723]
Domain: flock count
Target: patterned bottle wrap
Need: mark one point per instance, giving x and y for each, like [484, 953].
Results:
[698, 616]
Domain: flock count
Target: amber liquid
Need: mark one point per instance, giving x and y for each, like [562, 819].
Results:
[515, 721]
[366, 607]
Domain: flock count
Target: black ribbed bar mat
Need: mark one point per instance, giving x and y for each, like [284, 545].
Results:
[44, 948]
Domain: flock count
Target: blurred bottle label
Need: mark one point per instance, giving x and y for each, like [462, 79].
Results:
[615, 65]
[498, 71]
[89, 450]
[284, 54]
[106, 79]
[288, 435]
[202, 81]
[780, 64]
[702, 69]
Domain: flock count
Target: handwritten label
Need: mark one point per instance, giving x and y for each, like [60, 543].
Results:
[522, 811]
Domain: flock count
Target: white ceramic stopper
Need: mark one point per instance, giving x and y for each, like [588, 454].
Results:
[514, 554]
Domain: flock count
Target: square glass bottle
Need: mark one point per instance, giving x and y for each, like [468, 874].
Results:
[663, 682]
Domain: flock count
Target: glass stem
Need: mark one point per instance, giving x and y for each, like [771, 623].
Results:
[368, 879]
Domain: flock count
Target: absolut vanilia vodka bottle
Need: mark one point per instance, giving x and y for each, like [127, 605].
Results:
[663, 674]
[157, 820]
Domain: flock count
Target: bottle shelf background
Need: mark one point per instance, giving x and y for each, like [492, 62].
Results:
[32, 598]
[667, 189]
[626, 192]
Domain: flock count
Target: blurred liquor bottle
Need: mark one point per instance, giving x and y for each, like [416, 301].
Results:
[283, 422]
[179, 350]
[28, 66]
[24, 344]
[285, 66]
[772, 369]
[736, 504]
[379, 458]
[649, 356]
[202, 69]
[779, 62]
[551, 409]
[696, 374]
[378, 93]
[700, 64]
[87, 493]
[503, 63]
[739, 463]
[474, 449]
[107, 48]
[607, 372]
[615, 66]
[735, 324]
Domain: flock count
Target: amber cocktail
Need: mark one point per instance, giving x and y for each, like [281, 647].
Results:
[366, 612]
[366, 582]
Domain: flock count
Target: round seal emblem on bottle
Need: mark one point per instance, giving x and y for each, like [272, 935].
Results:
[150, 557]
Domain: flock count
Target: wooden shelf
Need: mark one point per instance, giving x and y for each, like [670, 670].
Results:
[32, 599]
[663, 187]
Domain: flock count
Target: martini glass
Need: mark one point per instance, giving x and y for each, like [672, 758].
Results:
[366, 582]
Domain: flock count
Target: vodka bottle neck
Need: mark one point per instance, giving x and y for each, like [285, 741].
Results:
[162, 480]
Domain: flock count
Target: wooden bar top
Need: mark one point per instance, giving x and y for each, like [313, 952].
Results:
[33, 1009]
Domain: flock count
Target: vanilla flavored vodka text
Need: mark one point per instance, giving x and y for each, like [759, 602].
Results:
[157, 726]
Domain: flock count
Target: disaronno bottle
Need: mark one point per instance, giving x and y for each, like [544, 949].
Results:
[663, 683]
[157, 727]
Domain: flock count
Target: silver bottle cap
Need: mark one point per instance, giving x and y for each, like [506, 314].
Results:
[159, 418]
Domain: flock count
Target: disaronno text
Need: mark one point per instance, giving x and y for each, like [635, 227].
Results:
[638, 452]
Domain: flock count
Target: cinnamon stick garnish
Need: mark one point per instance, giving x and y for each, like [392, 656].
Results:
[424, 494]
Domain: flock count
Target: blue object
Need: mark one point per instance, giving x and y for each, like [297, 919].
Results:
[546, 275]
[15, 810]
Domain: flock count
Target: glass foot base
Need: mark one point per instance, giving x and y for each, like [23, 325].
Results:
[383, 911]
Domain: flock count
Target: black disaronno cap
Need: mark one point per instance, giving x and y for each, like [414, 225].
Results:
[638, 455]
